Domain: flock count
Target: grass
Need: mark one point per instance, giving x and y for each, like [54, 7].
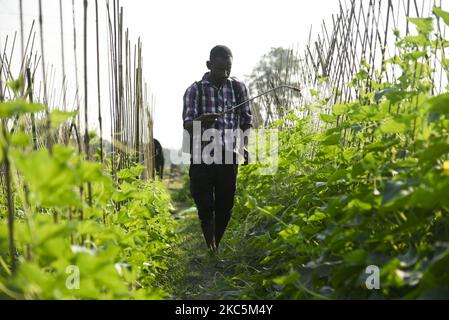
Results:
[198, 274]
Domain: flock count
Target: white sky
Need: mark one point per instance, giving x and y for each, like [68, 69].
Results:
[177, 37]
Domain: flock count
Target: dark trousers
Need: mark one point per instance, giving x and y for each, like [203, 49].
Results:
[213, 188]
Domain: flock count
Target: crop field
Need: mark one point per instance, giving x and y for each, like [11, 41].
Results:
[356, 208]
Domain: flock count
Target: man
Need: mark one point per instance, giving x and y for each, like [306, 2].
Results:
[159, 160]
[213, 185]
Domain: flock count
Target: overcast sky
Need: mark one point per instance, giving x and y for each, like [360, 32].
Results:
[177, 36]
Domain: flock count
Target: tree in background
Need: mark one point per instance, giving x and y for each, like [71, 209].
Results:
[277, 67]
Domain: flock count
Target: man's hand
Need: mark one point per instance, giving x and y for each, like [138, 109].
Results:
[208, 119]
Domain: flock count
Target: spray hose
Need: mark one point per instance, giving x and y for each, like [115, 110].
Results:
[260, 95]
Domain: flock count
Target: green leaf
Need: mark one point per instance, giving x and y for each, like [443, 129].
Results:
[16, 85]
[322, 79]
[381, 145]
[52, 180]
[436, 273]
[368, 112]
[362, 75]
[392, 94]
[358, 205]
[16, 107]
[420, 40]
[415, 55]
[369, 162]
[133, 172]
[357, 257]
[90, 171]
[440, 104]
[57, 117]
[424, 25]
[62, 153]
[445, 62]
[20, 138]
[395, 190]
[435, 150]
[327, 118]
[317, 216]
[340, 109]
[332, 139]
[290, 231]
[442, 14]
[392, 126]
[290, 278]
[337, 175]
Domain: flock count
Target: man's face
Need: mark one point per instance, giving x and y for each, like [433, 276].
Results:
[220, 67]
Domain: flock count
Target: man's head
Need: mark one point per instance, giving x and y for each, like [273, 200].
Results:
[220, 63]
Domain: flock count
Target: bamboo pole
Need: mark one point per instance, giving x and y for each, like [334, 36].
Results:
[30, 97]
[100, 122]
[64, 90]
[44, 79]
[86, 111]
[9, 196]
[77, 106]
[22, 44]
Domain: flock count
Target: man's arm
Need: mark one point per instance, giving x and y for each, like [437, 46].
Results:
[190, 110]
[191, 107]
[207, 120]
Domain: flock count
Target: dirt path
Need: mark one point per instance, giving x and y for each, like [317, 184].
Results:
[198, 274]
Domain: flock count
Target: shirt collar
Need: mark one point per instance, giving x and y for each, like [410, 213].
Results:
[206, 80]
[206, 77]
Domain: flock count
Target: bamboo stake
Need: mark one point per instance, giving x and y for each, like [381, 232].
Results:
[98, 84]
[44, 79]
[9, 196]
[64, 90]
[77, 107]
[11, 53]
[30, 97]
[25, 62]
[21, 35]
[86, 125]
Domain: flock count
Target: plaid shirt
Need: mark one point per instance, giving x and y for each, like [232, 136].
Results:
[216, 100]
